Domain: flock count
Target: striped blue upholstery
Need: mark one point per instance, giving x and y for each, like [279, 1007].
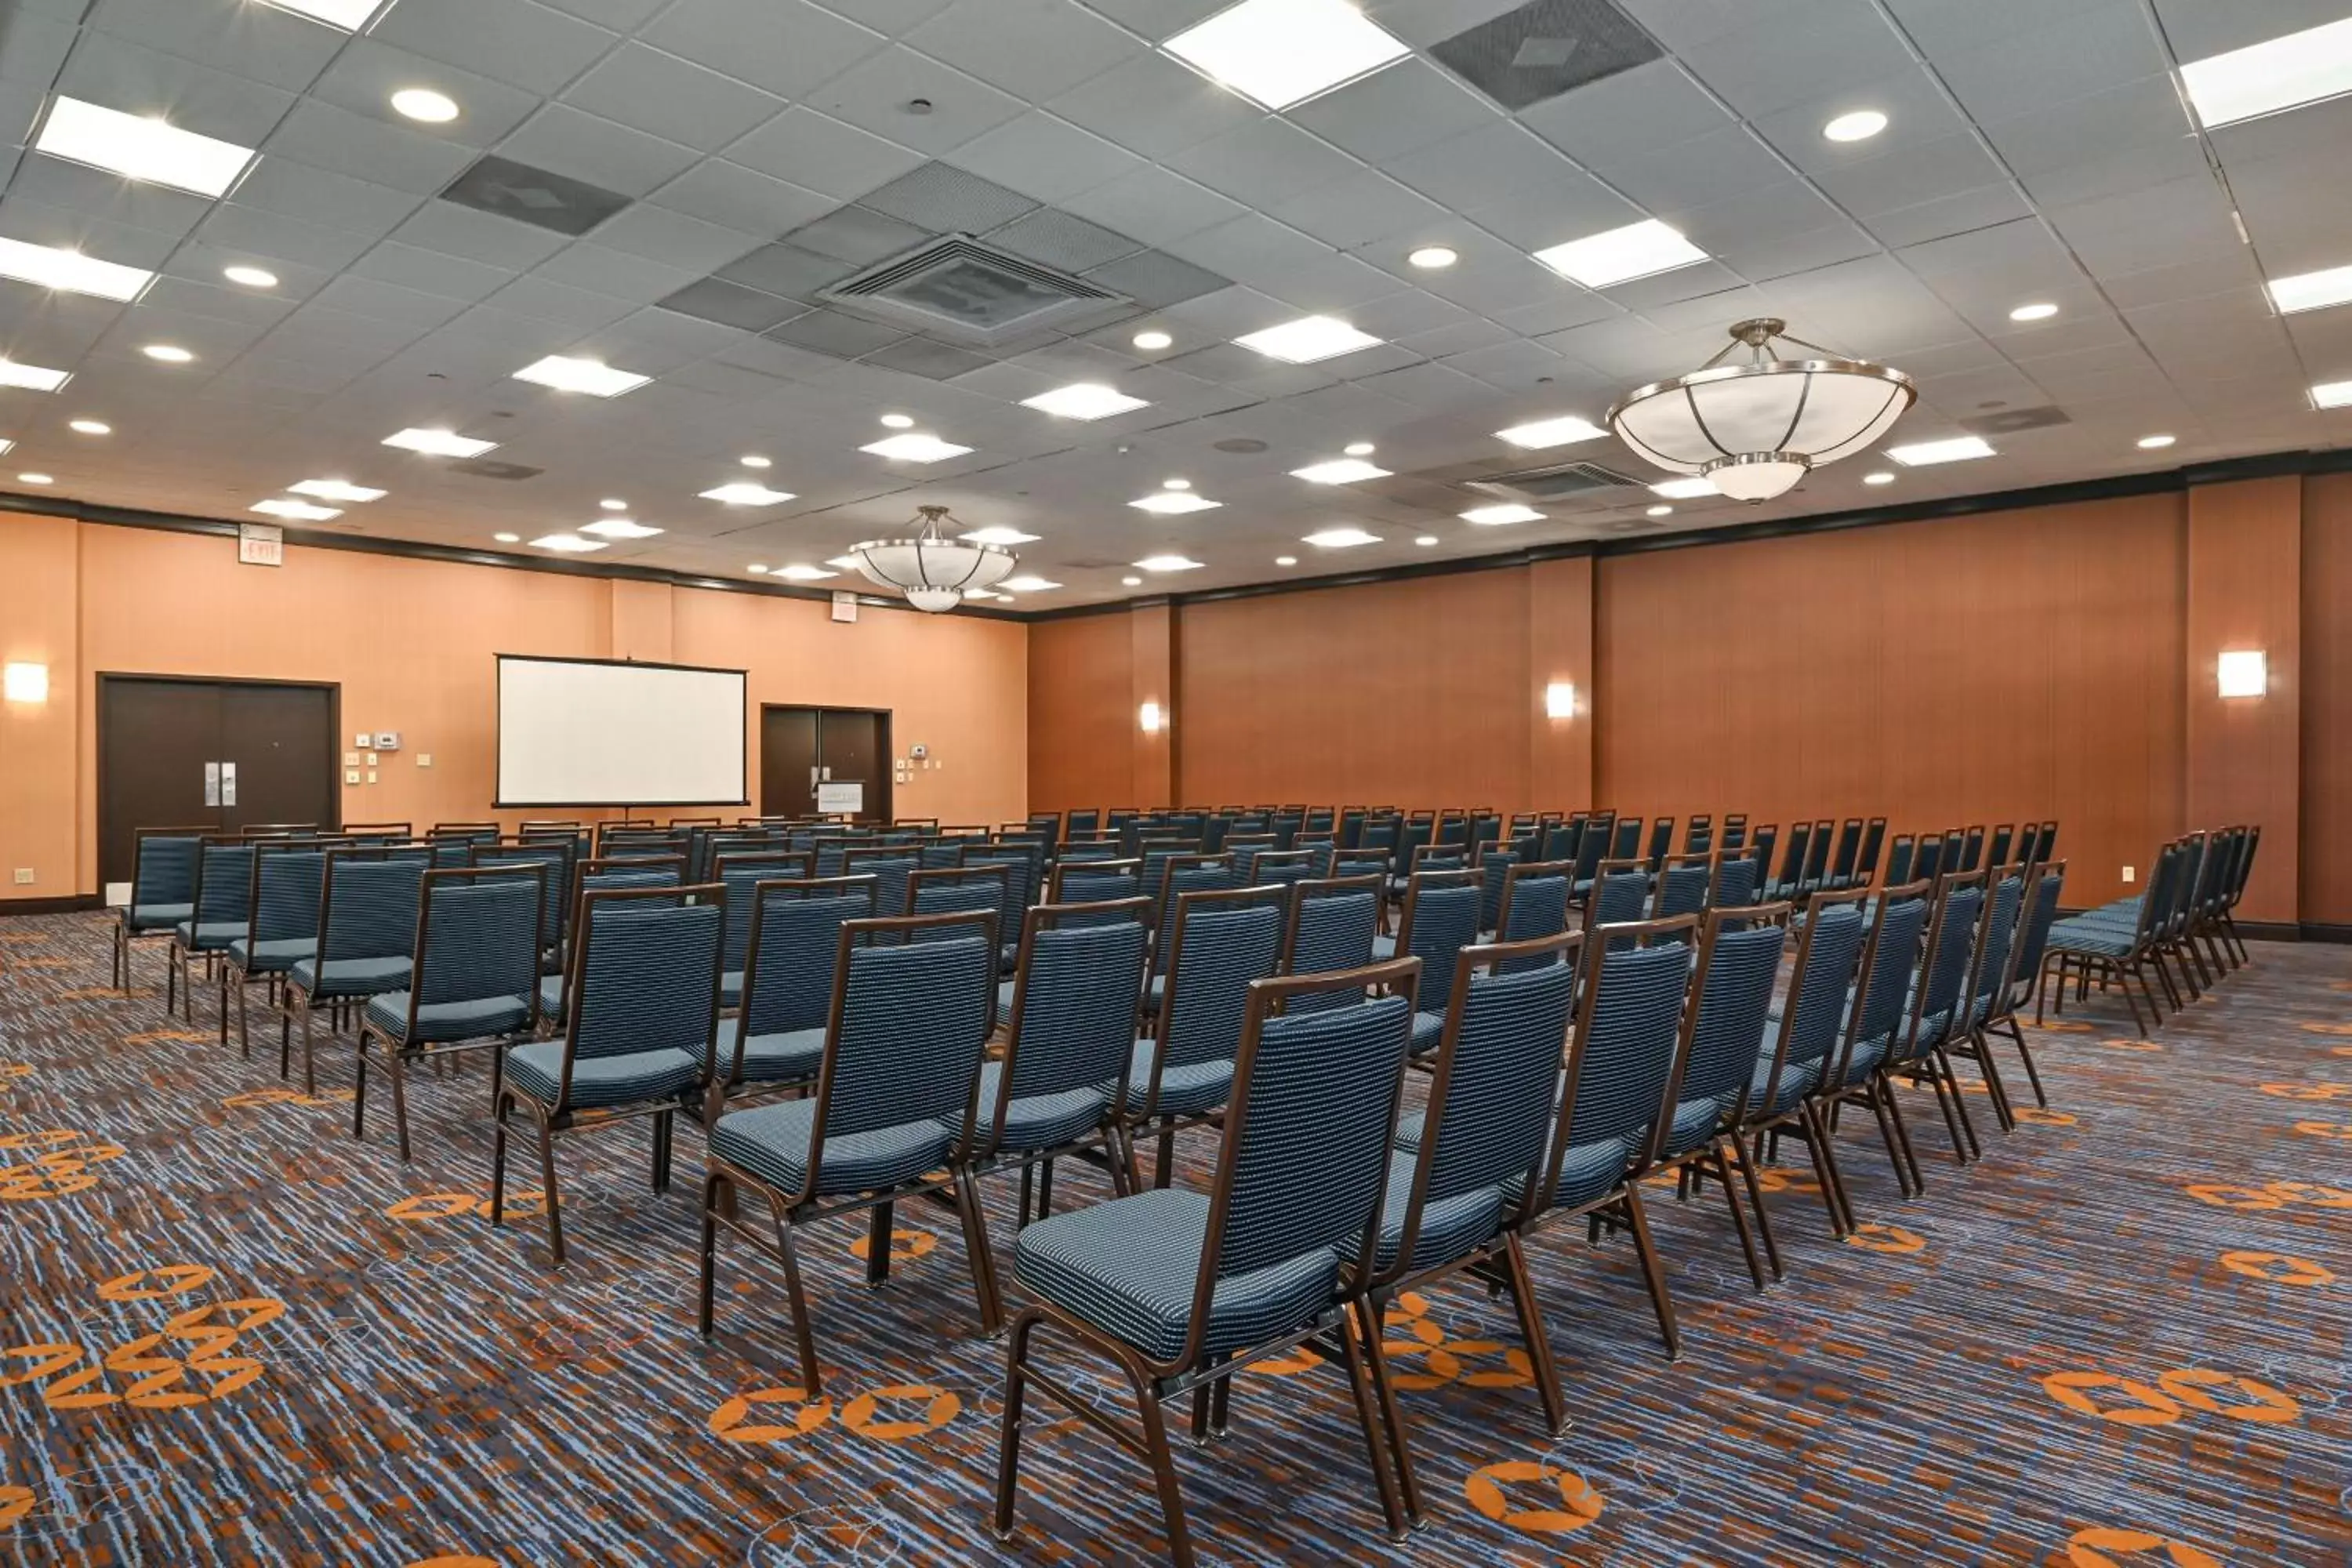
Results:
[1620, 896]
[1024, 872]
[1076, 1027]
[1628, 1049]
[964, 895]
[474, 1019]
[1734, 994]
[646, 980]
[913, 1022]
[285, 898]
[1538, 907]
[1886, 984]
[1818, 998]
[1450, 1228]
[890, 873]
[224, 898]
[772, 1141]
[556, 857]
[350, 976]
[371, 913]
[1682, 891]
[1735, 883]
[535, 1069]
[1336, 931]
[271, 957]
[800, 944]
[479, 963]
[1591, 1170]
[209, 936]
[1494, 870]
[1947, 972]
[1175, 882]
[1097, 887]
[1992, 958]
[1223, 949]
[163, 882]
[1439, 923]
[1044, 1121]
[2036, 939]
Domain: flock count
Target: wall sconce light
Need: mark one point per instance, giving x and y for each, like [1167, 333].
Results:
[1152, 720]
[1559, 700]
[2244, 672]
[27, 683]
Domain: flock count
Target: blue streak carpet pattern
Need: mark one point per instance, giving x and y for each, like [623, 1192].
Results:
[231, 1334]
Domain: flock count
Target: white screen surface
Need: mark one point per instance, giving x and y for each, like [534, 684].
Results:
[586, 732]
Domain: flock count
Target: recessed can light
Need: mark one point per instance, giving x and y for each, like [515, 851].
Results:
[2039, 311]
[1430, 257]
[36, 478]
[1859, 126]
[2155, 443]
[1880, 478]
[1286, 561]
[1132, 582]
[614, 503]
[1661, 511]
[756, 569]
[1175, 484]
[1426, 539]
[898, 421]
[755, 462]
[169, 353]
[90, 427]
[508, 538]
[251, 276]
[424, 104]
[1153, 340]
[1359, 448]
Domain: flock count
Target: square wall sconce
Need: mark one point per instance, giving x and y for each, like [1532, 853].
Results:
[2244, 672]
[1559, 700]
[1151, 717]
[27, 683]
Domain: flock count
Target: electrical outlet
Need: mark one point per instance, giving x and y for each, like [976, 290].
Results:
[371, 759]
[351, 775]
[24, 875]
[370, 775]
[2127, 873]
[423, 759]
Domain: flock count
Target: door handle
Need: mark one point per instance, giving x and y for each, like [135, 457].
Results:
[212, 784]
[229, 783]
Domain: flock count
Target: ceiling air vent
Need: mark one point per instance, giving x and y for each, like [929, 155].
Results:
[1545, 48]
[2009, 420]
[1557, 482]
[959, 287]
[491, 468]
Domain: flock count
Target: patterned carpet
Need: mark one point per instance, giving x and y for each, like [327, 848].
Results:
[231, 1334]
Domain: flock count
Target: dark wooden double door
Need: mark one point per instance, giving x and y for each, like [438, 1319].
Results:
[222, 755]
[801, 748]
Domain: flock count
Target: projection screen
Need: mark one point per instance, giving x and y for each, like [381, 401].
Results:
[584, 731]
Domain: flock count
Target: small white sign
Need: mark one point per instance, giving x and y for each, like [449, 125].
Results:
[845, 606]
[840, 799]
[261, 544]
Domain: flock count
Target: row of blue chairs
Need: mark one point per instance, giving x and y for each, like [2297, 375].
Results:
[2183, 924]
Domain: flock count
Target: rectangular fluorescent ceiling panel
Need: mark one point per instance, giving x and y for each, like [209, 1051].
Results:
[1000, 536]
[1506, 511]
[7, 445]
[1174, 503]
[801, 573]
[32, 377]
[591, 376]
[915, 448]
[1308, 338]
[440, 443]
[1027, 585]
[2311, 290]
[55, 267]
[1168, 563]
[1544, 433]
[1622, 254]
[335, 489]
[1339, 471]
[297, 511]
[1341, 537]
[1085, 400]
[566, 544]
[1959, 448]
[2263, 79]
[141, 147]
[1685, 490]
[348, 15]
[2332, 394]
[618, 528]
[745, 493]
[1281, 52]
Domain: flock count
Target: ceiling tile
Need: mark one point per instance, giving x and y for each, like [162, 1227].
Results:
[431, 271]
[620, 15]
[117, 74]
[529, 45]
[1956, 214]
[733, 196]
[1262, 162]
[674, 99]
[1692, 174]
[782, 46]
[335, 201]
[821, 153]
[1788, 51]
[1154, 205]
[1044, 157]
[1391, 113]
[673, 238]
[2067, 58]
[1365, 209]
[582, 146]
[256, 41]
[894, 17]
[1153, 106]
[365, 75]
[879, 95]
[342, 143]
[996, 40]
[476, 236]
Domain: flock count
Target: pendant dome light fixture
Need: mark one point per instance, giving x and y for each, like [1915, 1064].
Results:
[1756, 429]
[935, 570]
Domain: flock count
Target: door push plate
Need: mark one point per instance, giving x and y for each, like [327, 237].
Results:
[229, 783]
[212, 784]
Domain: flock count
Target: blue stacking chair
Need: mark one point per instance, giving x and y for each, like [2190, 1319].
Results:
[601, 875]
[1218, 941]
[961, 889]
[1696, 1134]
[1096, 881]
[1736, 882]
[1902, 853]
[162, 893]
[367, 935]
[1494, 869]
[1866, 861]
[740, 872]
[914, 1001]
[1734, 831]
[1465, 1183]
[1331, 923]
[1279, 1250]
[1880, 1007]
[1628, 1031]
[1086, 851]
[778, 1039]
[2046, 883]
[1026, 868]
[1988, 987]
[1797, 1051]
[1276, 868]
[644, 981]
[1060, 1087]
[1440, 919]
[1685, 883]
[889, 866]
[282, 928]
[222, 900]
[1619, 896]
[479, 934]
[1081, 821]
[1939, 1006]
[1180, 875]
[556, 855]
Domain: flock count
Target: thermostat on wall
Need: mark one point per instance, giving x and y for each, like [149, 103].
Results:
[919, 750]
[387, 740]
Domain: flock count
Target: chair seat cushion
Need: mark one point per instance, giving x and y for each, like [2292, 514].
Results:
[1694, 1124]
[785, 1056]
[1004, 999]
[1384, 949]
[772, 1143]
[156, 916]
[1038, 1120]
[1587, 1172]
[350, 976]
[1409, 1126]
[1185, 1090]
[551, 998]
[1797, 1079]
[1428, 1032]
[1128, 1266]
[537, 1069]
[212, 936]
[1451, 1227]
[2075, 936]
[475, 1019]
[271, 957]
[730, 990]
[1155, 992]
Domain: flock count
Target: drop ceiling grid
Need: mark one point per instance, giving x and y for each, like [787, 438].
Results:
[1910, 248]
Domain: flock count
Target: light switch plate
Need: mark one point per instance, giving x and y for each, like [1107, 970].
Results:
[370, 775]
[423, 759]
[371, 759]
[24, 875]
[363, 740]
[351, 775]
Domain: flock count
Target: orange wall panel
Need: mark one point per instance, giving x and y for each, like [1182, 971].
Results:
[39, 572]
[1082, 733]
[2326, 672]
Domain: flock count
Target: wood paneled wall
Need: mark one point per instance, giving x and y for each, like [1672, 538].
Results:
[2326, 701]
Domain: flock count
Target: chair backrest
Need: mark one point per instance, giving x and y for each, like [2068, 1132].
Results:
[948, 889]
[224, 891]
[1737, 881]
[1874, 837]
[1849, 851]
[1817, 857]
[1829, 951]
[1732, 996]
[1303, 1163]
[479, 932]
[1493, 1077]
[912, 1010]
[1329, 926]
[644, 975]
[1494, 870]
[1441, 917]
[367, 904]
[1900, 857]
[1759, 850]
[1621, 895]
[1685, 882]
[789, 969]
[1219, 943]
[1792, 860]
[1628, 1029]
[1626, 843]
[1972, 848]
[164, 864]
[1950, 955]
[1082, 820]
[1735, 830]
[1535, 901]
[1183, 874]
[1931, 861]
[1096, 881]
[1662, 841]
[2003, 834]
[285, 896]
[2156, 904]
[889, 866]
[1988, 977]
[1276, 867]
[2045, 885]
[1075, 996]
[1890, 960]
